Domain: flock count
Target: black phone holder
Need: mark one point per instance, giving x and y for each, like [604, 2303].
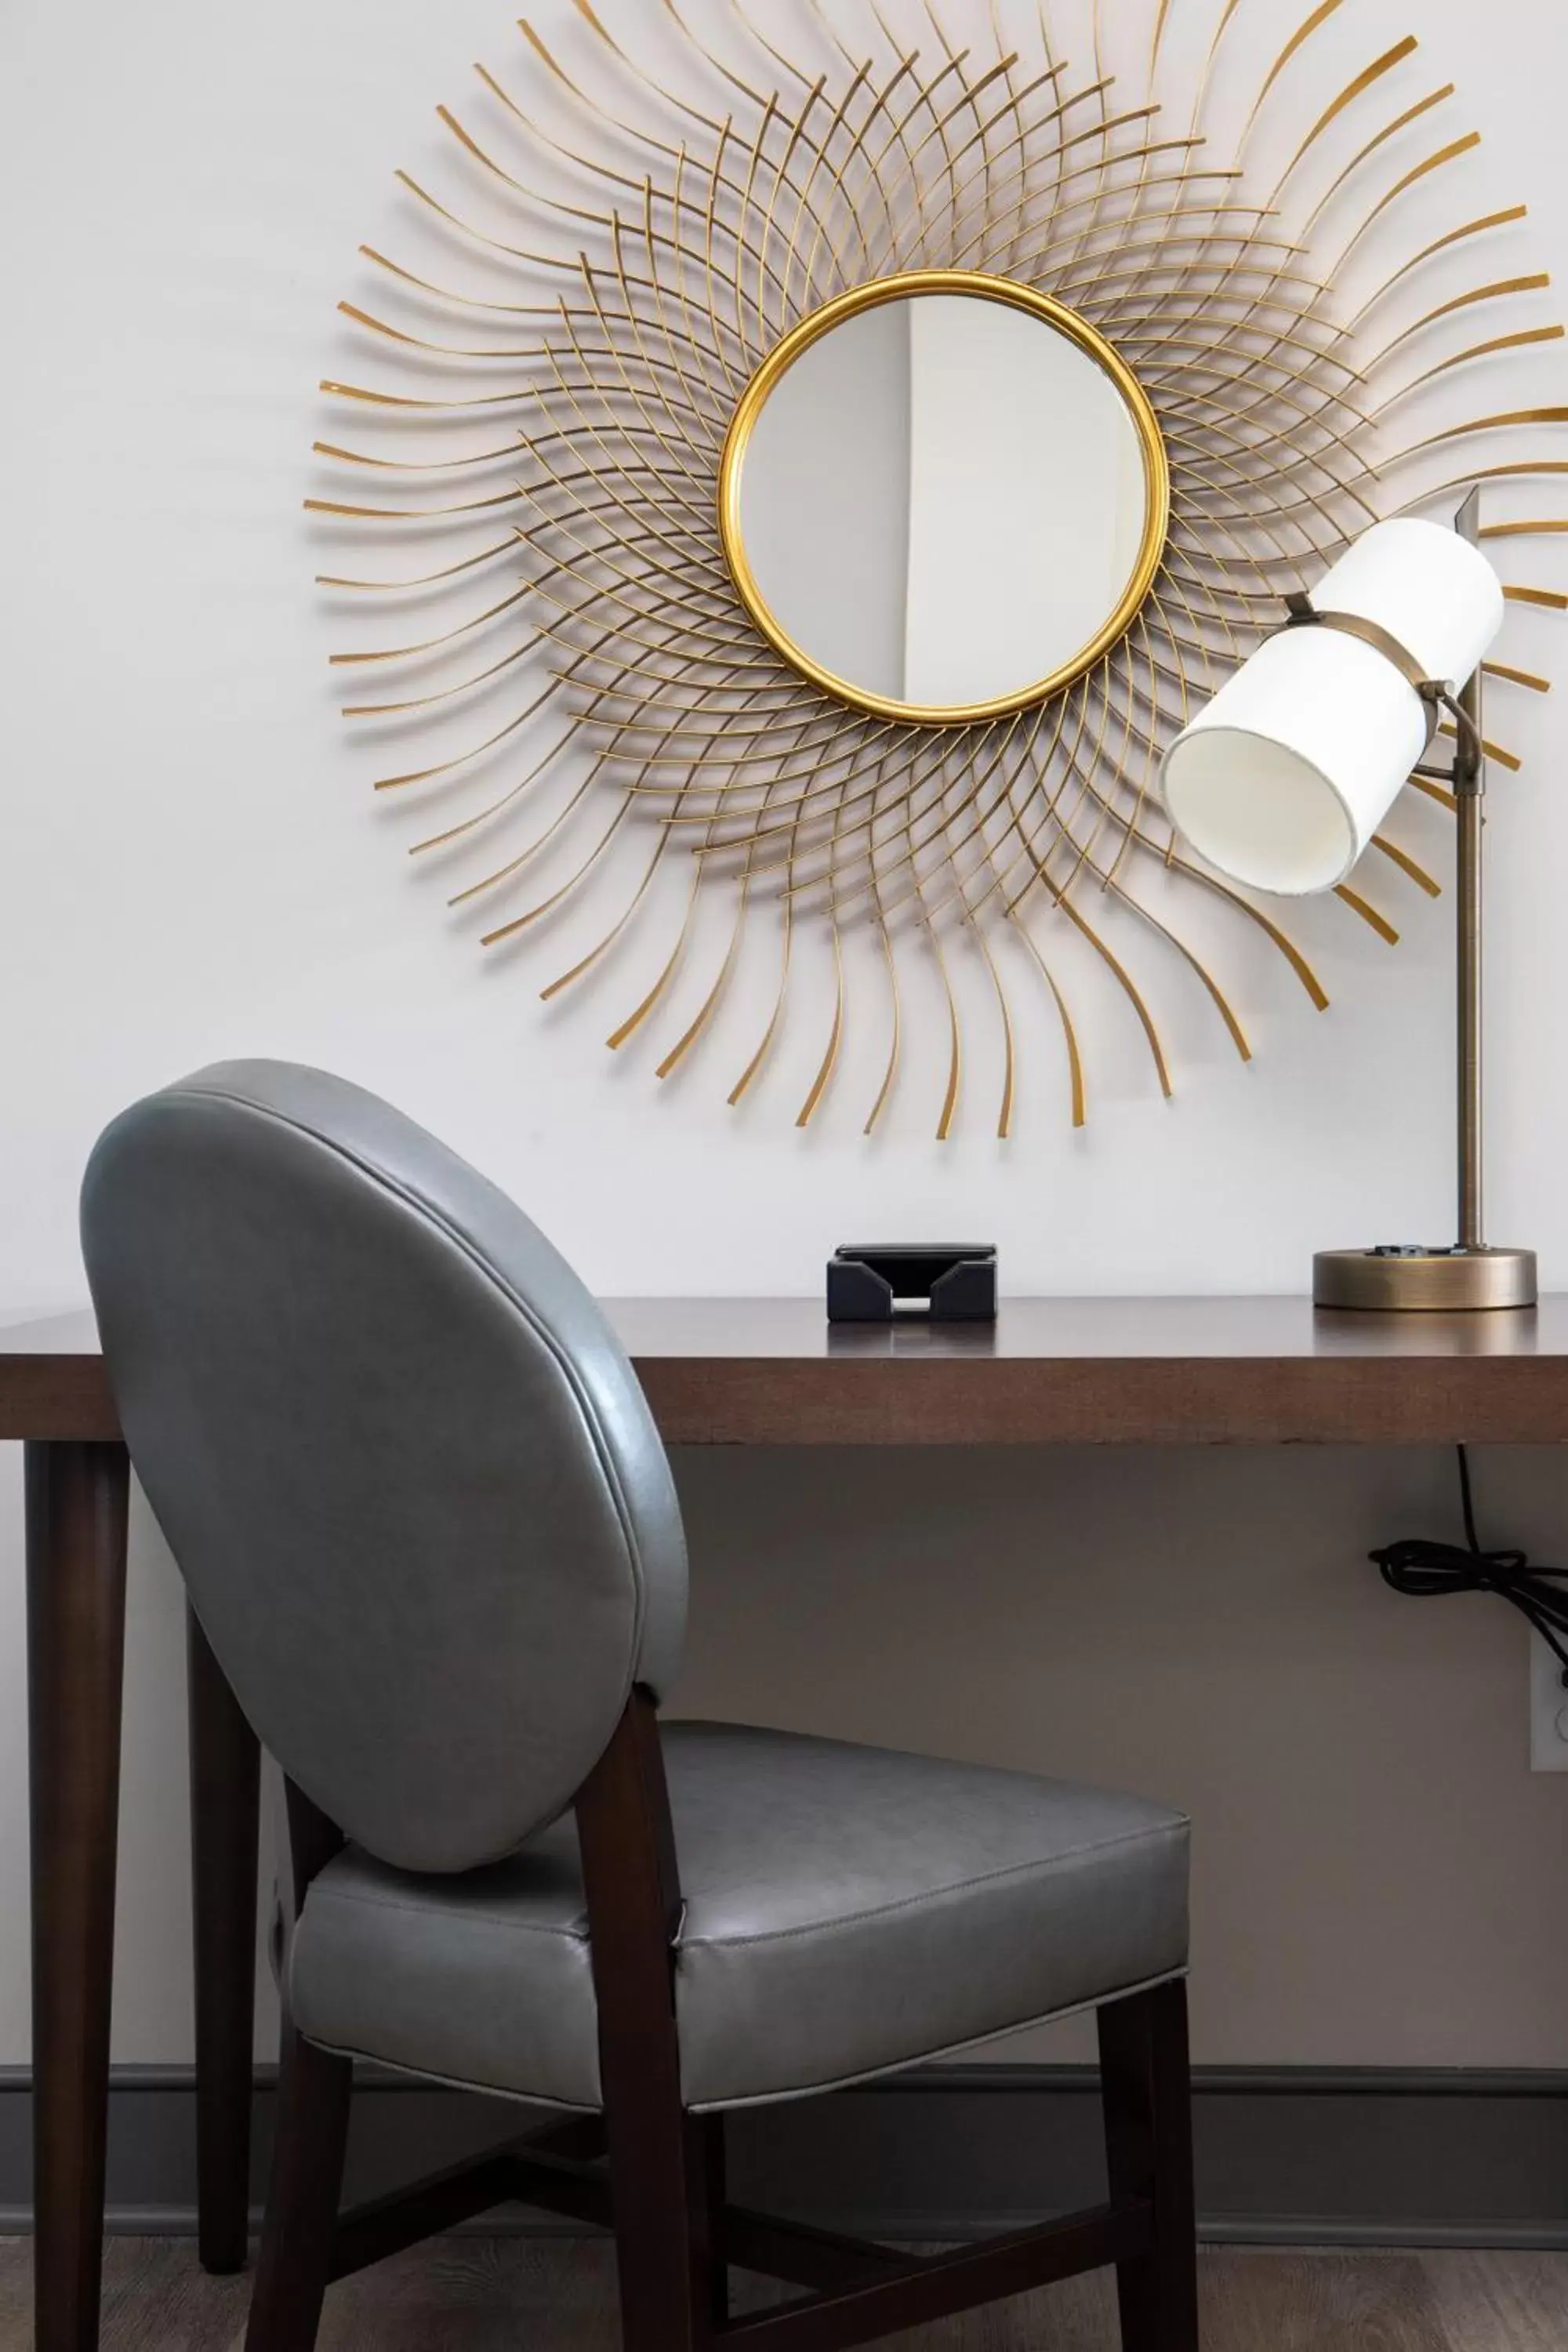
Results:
[871, 1284]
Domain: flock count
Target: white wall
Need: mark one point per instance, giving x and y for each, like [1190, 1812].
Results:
[192, 868]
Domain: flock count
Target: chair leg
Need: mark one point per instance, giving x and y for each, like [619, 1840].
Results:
[313, 2092]
[1147, 2091]
[716, 2195]
[660, 2155]
[664, 2256]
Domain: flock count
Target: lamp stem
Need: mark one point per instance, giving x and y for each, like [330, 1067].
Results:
[1469, 784]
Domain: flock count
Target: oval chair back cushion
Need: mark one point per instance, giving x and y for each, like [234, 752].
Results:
[409, 1478]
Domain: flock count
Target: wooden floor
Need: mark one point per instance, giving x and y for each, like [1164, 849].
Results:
[495, 2295]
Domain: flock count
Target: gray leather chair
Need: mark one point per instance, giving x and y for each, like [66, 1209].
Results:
[430, 1533]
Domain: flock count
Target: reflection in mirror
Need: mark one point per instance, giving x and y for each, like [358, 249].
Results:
[945, 500]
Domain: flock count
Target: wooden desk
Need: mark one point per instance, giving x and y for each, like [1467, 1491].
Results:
[717, 1371]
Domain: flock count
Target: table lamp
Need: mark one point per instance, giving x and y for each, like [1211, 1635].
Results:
[1282, 781]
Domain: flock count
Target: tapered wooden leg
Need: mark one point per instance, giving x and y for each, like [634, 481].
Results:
[225, 1798]
[76, 1496]
[659, 2160]
[313, 2089]
[715, 2197]
[1147, 2091]
[663, 2254]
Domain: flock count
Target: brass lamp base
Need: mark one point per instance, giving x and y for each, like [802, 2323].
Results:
[1431, 1281]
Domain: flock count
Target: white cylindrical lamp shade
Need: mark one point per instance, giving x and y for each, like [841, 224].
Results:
[1282, 781]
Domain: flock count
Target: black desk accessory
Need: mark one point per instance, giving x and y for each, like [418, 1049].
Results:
[950, 1283]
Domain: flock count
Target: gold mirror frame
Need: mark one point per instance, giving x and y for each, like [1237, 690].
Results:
[1078, 330]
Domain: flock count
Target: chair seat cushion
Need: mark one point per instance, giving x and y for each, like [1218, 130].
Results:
[848, 1910]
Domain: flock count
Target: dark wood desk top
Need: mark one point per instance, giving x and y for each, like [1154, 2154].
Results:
[773, 1371]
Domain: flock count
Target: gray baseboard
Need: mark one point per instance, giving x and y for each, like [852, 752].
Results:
[1286, 2156]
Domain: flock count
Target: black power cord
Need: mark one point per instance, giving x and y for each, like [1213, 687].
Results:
[1425, 1570]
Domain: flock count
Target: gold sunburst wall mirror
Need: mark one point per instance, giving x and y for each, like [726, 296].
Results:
[795, 469]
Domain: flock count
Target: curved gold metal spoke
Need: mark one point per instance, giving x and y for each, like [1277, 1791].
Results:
[383, 327]
[1439, 245]
[889, 252]
[505, 546]
[509, 799]
[955, 1040]
[692, 554]
[1009, 1052]
[661, 148]
[1188, 373]
[701, 337]
[507, 450]
[443, 694]
[1097, 169]
[480, 236]
[601, 221]
[434, 644]
[349, 512]
[1514, 420]
[1407, 864]
[767, 330]
[1390, 130]
[1368, 913]
[935, 822]
[1020, 172]
[513, 793]
[1514, 343]
[1042, 878]
[890, 1070]
[560, 897]
[618, 929]
[819, 162]
[965, 102]
[1518, 676]
[1196, 310]
[1448, 155]
[1358, 88]
[909, 776]
[1040, 261]
[1069, 1035]
[1195, 963]
[1127, 264]
[459, 760]
[819, 1084]
[698, 450]
[966, 823]
[879, 112]
[638, 1014]
[765, 1047]
[1296, 42]
[450, 294]
[1498, 289]
[657, 583]
[900, 245]
[1122, 978]
[409, 401]
[1281, 940]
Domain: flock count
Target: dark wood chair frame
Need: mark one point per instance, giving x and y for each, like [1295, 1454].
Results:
[663, 2190]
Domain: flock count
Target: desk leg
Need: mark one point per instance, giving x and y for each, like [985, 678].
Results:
[76, 1511]
[226, 1797]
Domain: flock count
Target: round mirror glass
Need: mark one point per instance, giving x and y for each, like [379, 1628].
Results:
[943, 496]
